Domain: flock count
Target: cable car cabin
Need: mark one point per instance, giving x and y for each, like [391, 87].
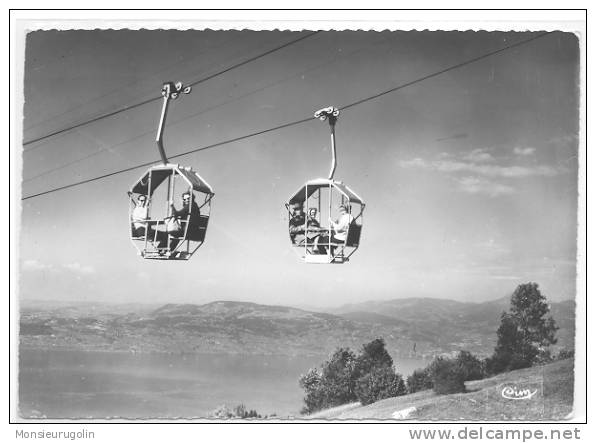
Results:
[325, 221]
[169, 212]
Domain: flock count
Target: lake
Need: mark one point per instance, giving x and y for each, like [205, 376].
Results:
[79, 384]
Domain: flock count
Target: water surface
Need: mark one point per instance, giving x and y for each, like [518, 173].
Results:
[79, 384]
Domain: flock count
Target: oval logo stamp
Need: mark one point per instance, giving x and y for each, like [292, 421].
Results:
[515, 393]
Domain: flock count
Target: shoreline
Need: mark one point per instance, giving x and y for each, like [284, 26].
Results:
[161, 352]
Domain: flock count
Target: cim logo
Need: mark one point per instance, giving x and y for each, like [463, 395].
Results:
[513, 393]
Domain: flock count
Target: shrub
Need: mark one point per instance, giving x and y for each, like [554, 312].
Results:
[566, 353]
[381, 382]
[239, 411]
[222, 412]
[505, 361]
[419, 380]
[544, 356]
[447, 376]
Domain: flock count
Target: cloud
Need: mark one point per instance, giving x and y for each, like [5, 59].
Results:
[475, 185]
[493, 170]
[479, 156]
[415, 163]
[518, 150]
[478, 172]
[565, 139]
[35, 265]
[80, 269]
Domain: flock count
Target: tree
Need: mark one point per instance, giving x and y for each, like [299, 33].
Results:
[381, 382]
[333, 385]
[471, 365]
[447, 375]
[338, 378]
[240, 411]
[524, 332]
[375, 374]
[373, 355]
[419, 380]
[508, 353]
[311, 382]
[346, 377]
[529, 308]
[401, 386]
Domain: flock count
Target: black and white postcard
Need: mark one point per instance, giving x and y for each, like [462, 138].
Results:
[299, 221]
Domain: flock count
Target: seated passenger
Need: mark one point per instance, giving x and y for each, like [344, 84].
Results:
[139, 217]
[312, 227]
[341, 226]
[141, 227]
[312, 218]
[178, 228]
[339, 231]
[187, 209]
[296, 224]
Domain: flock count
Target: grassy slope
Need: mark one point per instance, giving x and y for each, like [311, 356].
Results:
[483, 401]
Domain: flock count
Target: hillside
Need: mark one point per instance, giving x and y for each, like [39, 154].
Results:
[417, 328]
[218, 327]
[447, 324]
[484, 400]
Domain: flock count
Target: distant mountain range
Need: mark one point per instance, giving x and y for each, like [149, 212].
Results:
[448, 324]
[412, 327]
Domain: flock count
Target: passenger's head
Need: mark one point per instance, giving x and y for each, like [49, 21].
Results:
[312, 212]
[296, 208]
[186, 198]
[142, 200]
[343, 209]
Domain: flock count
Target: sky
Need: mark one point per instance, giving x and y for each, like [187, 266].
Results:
[469, 177]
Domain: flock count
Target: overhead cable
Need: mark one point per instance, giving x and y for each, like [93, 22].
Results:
[297, 122]
[152, 99]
